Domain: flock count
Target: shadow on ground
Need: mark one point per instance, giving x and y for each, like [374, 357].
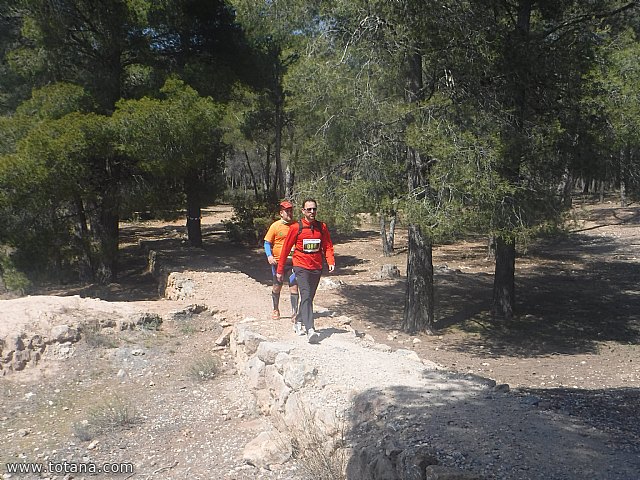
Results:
[494, 434]
[575, 292]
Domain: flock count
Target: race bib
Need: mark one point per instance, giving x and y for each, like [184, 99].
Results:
[310, 245]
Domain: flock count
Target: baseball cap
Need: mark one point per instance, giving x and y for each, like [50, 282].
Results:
[286, 204]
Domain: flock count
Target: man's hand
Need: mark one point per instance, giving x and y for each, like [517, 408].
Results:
[271, 260]
[279, 276]
[332, 268]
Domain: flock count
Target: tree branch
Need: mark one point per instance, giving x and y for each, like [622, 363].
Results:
[590, 17]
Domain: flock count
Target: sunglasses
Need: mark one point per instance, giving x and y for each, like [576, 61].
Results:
[311, 209]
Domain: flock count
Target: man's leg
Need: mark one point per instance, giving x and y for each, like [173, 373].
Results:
[308, 281]
[275, 295]
[295, 296]
[314, 284]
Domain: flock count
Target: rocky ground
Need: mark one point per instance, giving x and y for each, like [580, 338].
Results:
[570, 358]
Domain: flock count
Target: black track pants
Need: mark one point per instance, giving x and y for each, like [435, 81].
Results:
[308, 281]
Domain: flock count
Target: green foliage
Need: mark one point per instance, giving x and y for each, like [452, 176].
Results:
[336, 205]
[48, 166]
[250, 220]
[14, 280]
[85, 43]
[173, 135]
[149, 198]
[496, 114]
[348, 103]
[200, 41]
[612, 98]
[13, 87]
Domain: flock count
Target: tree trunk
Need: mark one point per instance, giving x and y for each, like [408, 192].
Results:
[418, 304]
[289, 180]
[418, 310]
[565, 188]
[266, 185]
[106, 231]
[85, 261]
[623, 183]
[253, 177]
[192, 191]
[504, 279]
[491, 248]
[278, 183]
[387, 239]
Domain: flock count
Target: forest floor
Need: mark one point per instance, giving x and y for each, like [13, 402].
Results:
[573, 344]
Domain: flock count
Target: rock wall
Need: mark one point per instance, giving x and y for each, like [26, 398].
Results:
[313, 411]
[34, 327]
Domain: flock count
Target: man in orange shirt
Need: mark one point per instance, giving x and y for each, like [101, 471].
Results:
[312, 243]
[273, 241]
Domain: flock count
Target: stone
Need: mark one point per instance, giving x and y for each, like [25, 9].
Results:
[243, 335]
[13, 342]
[381, 347]
[179, 287]
[188, 312]
[296, 371]
[327, 283]
[268, 448]
[407, 354]
[413, 461]
[63, 333]
[146, 320]
[328, 421]
[277, 387]
[387, 272]
[293, 414]
[254, 369]
[20, 360]
[224, 337]
[268, 351]
[367, 463]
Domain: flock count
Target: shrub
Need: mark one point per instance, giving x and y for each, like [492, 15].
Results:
[319, 456]
[250, 220]
[205, 368]
[95, 338]
[112, 414]
[13, 279]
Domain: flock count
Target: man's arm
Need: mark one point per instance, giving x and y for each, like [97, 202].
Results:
[328, 249]
[267, 250]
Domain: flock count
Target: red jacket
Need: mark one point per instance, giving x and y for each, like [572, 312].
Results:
[312, 243]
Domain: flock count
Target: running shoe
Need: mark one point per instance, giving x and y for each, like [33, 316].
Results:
[313, 336]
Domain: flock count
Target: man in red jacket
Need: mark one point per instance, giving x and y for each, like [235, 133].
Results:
[312, 243]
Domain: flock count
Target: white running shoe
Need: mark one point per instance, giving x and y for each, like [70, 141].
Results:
[313, 336]
[298, 329]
